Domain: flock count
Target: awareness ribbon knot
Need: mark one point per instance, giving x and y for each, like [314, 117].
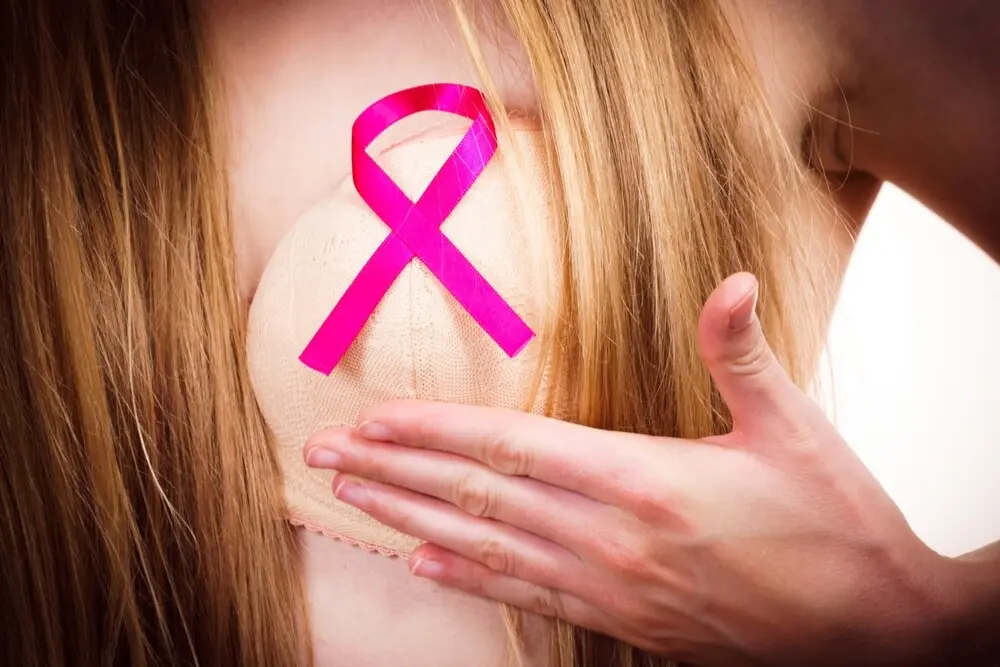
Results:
[415, 227]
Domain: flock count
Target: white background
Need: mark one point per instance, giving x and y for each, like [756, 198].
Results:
[915, 357]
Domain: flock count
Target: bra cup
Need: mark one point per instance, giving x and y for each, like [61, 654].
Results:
[419, 342]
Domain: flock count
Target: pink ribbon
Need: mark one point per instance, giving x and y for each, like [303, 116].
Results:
[415, 227]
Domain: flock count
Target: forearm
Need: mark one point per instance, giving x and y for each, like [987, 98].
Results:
[968, 629]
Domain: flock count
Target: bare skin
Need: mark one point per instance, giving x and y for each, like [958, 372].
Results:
[298, 73]
[840, 578]
[922, 89]
[769, 545]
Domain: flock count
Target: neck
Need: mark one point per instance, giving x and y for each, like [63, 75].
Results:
[924, 98]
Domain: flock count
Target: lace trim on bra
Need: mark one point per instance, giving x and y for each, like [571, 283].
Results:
[370, 548]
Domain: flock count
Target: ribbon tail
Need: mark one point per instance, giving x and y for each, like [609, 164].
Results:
[342, 326]
[486, 306]
[457, 274]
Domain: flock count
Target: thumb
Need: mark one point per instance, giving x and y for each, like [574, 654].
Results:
[759, 393]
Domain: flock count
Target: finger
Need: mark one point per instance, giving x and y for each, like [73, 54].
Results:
[535, 507]
[453, 570]
[759, 393]
[591, 462]
[501, 548]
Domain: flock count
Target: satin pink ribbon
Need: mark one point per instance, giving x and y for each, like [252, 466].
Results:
[415, 227]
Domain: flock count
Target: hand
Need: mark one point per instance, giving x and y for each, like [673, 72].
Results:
[769, 545]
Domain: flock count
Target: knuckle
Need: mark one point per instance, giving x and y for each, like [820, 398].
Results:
[364, 462]
[462, 574]
[386, 512]
[546, 602]
[503, 454]
[495, 556]
[374, 462]
[657, 506]
[423, 429]
[628, 557]
[478, 584]
[753, 361]
[644, 503]
[392, 514]
[649, 508]
[475, 495]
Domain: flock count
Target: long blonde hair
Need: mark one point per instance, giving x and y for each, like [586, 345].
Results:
[668, 174]
[140, 503]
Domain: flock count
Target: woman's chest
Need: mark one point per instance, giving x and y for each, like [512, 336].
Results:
[296, 75]
[367, 610]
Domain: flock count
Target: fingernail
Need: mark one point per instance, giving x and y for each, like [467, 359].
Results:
[374, 431]
[742, 313]
[352, 493]
[321, 457]
[428, 569]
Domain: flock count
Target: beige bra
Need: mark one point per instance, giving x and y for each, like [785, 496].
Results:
[419, 342]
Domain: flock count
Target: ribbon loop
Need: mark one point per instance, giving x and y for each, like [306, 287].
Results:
[415, 228]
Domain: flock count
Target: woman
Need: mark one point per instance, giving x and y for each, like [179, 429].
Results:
[840, 578]
[142, 498]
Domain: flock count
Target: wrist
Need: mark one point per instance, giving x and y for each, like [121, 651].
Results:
[944, 612]
[965, 627]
